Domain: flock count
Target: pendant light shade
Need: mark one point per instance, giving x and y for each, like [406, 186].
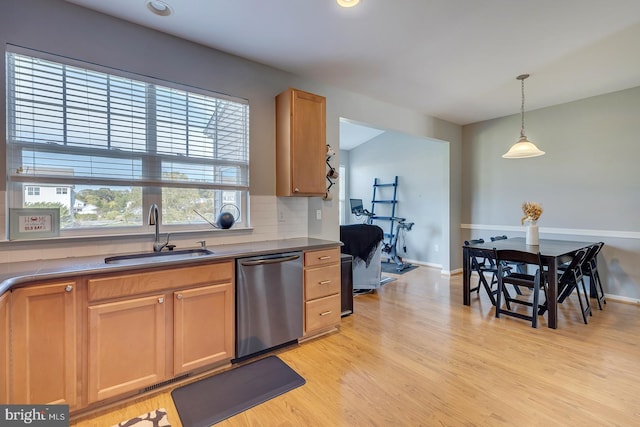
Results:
[523, 148]
[348, 3]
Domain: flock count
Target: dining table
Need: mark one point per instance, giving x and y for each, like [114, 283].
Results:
[553, 253]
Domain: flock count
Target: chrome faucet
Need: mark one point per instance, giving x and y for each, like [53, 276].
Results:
[153, 220]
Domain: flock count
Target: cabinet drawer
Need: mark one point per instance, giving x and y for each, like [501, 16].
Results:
[321, 282]
[322, 313]
[154, 281]
[326, 256]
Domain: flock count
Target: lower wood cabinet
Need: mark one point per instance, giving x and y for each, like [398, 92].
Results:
[99, 337]
[203, 320]
[323, 313]
[126, 346]
[44, 344]
[150, 327]
[4, 348]
[322, 280]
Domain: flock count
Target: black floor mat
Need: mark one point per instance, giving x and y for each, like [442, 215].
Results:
[392, 267]
[221, 396]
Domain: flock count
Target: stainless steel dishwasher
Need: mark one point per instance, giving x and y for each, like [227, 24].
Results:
[268, 302]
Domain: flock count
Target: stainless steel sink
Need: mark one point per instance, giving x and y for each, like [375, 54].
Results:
[157, 256]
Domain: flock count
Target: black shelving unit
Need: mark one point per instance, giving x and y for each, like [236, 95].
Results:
[383, 206]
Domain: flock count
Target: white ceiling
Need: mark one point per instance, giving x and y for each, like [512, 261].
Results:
[452, 59]
[353, 134]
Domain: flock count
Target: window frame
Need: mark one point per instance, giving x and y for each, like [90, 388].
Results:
[152, 186]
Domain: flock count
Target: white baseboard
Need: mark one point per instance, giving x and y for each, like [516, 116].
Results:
[619, 298]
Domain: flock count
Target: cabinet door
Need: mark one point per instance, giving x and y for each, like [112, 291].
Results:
[44, 349]
[301, 144]
[126, 346]
[309, 145]
[203, 326]
[4, 348]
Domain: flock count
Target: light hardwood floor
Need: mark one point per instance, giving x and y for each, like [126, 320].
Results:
[413, 355]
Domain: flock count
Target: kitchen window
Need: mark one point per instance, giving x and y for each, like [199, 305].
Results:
[120, 144]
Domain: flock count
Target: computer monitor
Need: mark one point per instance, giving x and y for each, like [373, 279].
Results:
[356, 206]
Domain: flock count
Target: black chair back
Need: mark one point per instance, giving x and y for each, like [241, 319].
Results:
[481, 264]
[592, 256]
[572, 279]
[536, 282]
[509, 255]
[478, 258]
[574, 271]
[590, 269]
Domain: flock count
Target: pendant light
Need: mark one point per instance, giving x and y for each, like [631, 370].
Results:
[523, 148]
[348, 3]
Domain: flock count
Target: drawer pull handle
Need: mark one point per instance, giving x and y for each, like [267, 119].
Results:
[324, 282]
[68, 288]
[326, 313]
[179, 296]
[322, 258]
[160, 300]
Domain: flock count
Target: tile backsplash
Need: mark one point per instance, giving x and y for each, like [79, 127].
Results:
[271, 218]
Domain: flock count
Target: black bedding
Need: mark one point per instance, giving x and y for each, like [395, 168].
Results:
[360, 240]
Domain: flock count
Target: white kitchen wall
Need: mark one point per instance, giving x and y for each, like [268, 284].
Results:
[62, 28]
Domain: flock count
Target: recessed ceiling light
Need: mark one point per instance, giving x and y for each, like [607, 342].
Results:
[159, 7]
[348, 3]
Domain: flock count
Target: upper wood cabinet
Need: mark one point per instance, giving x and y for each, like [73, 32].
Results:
[44, 344]
[301, 145]
[4, 348]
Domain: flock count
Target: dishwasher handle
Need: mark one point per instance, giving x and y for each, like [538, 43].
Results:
[269, 260]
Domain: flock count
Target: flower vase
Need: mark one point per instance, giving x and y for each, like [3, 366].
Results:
[531, 237]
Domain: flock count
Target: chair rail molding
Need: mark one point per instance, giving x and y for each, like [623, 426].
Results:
[555, 230]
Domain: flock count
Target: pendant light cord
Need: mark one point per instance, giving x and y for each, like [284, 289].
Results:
[522, 77]
[522, 110]
[523, 148]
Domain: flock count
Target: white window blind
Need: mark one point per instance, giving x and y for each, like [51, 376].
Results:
[72, 125]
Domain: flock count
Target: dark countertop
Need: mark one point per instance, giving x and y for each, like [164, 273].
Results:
[15, 274]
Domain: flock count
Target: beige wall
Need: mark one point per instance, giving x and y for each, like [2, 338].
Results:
[588, 182]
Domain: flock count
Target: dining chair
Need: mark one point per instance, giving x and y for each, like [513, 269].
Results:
[572, 278]
[519, 266]
[590, 270]
[536, 282]
[482, 265]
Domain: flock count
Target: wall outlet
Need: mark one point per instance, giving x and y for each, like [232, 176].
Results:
[436, 248]
[319, 214]
[280, 215]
